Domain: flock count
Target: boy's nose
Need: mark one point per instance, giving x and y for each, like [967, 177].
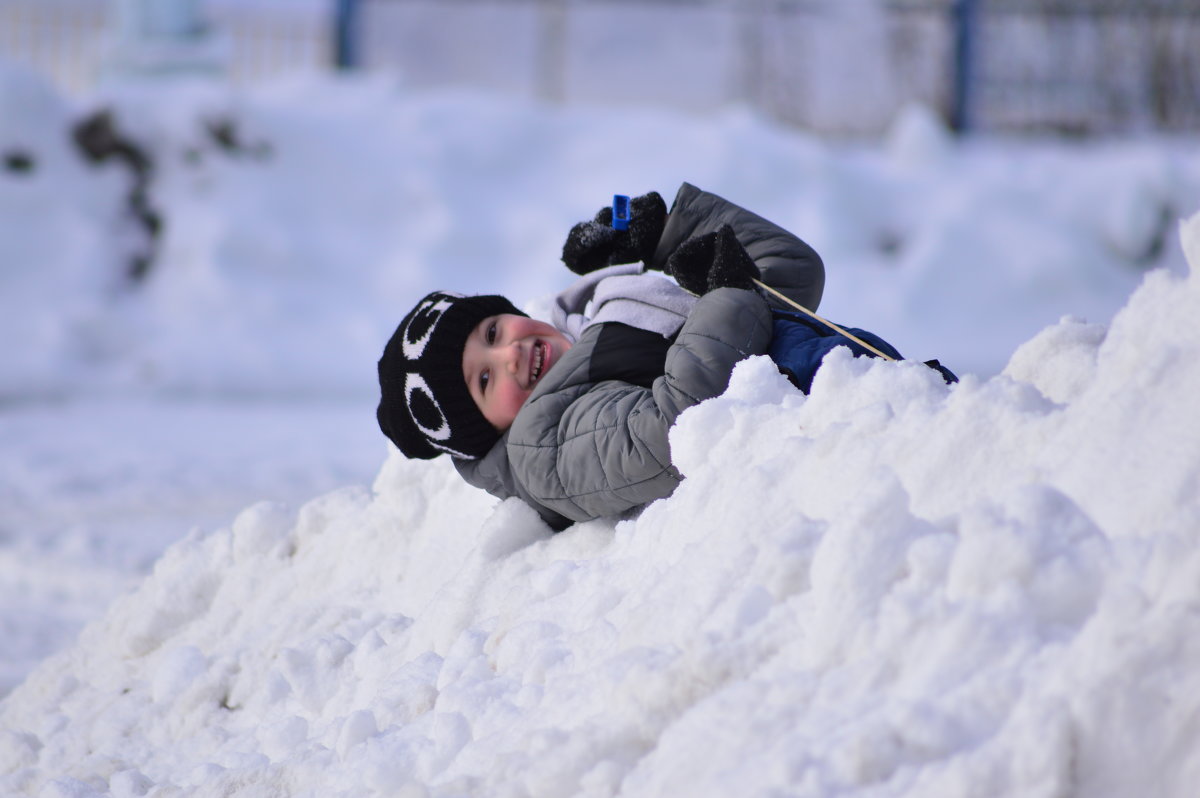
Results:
[512, 358]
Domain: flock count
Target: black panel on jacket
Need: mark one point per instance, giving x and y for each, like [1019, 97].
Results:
[629, 354]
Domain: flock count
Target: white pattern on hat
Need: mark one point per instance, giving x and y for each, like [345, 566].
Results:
[414, 349]
[415, 382]
[452, 452]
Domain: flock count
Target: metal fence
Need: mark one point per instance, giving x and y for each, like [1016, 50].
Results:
[833, 66]
[1075, 66]
[59, 38]
[270, 42]
[69, 39]
[827, 65]
[1086, 66]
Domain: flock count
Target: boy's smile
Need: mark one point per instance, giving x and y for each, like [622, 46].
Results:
[504, 358]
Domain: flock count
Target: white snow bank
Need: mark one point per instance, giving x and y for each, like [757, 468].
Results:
[887, 588]
[92, 492]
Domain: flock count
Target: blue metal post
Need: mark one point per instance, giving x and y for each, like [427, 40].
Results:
[964, 62]
[346, 34]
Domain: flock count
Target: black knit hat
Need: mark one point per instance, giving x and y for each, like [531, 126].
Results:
[425, 407]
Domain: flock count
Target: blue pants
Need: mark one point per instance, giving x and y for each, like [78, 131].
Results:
[800, 343]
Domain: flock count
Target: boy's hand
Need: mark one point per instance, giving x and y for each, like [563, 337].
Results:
[595, 244]
[713, 260]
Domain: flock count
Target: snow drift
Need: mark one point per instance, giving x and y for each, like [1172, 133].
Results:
[299, 219]
[890, 587]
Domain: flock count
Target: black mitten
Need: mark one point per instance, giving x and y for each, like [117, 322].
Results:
[691, 262]
[732, 265]
[595, 244]
[712, 260]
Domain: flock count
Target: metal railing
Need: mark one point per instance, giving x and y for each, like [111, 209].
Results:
[68, 39]
[1076, 66]
[1087, 66]
[62, 39]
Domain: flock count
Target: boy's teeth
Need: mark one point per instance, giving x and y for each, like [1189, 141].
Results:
[537, 361]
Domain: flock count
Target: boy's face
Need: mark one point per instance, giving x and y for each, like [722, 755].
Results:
[503, 361]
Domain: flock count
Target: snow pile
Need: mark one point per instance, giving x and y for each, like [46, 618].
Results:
[299, 220]
[890, 587]
[91, 493]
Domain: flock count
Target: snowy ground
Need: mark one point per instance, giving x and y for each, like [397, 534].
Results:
[899, 590]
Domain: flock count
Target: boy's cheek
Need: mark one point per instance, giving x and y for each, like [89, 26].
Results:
[512, 404]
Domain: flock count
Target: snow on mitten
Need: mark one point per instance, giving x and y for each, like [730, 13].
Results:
[595, 244]
[691, 261]
[712, 260]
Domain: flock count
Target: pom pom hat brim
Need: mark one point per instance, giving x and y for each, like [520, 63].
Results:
[425, 407]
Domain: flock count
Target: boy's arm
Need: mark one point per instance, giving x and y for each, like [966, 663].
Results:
[787, 263]
[607, 450]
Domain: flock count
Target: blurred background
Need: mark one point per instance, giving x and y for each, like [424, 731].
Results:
[214, 212]
[1081, 67]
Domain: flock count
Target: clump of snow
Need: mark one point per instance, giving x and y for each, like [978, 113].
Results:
[1060, 361]
[889, 587]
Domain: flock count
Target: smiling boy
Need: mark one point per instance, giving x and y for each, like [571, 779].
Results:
[574, 417]
[503, 359]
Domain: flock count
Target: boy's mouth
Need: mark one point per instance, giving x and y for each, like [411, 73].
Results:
[539, 358]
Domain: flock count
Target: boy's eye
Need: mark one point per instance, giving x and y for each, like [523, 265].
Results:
[490, 335]
[483, 381]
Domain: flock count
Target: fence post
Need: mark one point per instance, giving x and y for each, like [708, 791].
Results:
[345, 51]
[964, 12]
[751, 76]
[551, 56]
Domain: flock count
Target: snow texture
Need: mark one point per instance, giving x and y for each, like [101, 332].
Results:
[891, 587]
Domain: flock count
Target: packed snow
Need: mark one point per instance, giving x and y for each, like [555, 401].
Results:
[889, 587]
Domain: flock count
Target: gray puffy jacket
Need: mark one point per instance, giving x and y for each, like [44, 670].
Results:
[586, 445]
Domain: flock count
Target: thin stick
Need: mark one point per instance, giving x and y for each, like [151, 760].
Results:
[826, 322]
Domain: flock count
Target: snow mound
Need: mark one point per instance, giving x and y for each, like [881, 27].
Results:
[889, 587]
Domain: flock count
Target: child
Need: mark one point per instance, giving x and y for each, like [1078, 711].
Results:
[573, 416]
